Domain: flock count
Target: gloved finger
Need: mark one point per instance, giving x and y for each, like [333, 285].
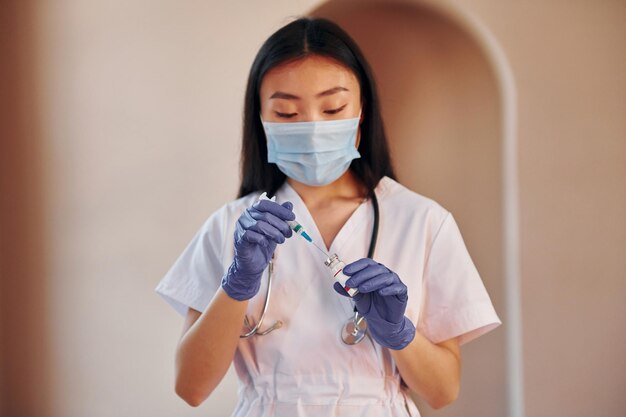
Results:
[250, 236]
[268, 231]
[356, 266]
[358, 297]
[365, 274]
[246, 220]
[337, 286]
[397, 289]
[279, 224]
[363, 303]
[276, 209]
[250, 217]
[376, 283]
[288, 205]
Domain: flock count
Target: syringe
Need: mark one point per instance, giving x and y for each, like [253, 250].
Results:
[298, 229]
[295, 226]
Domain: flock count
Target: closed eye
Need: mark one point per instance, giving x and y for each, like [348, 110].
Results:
[335, 111]
[285, 115]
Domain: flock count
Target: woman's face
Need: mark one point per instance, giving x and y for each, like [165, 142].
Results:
[311, 89]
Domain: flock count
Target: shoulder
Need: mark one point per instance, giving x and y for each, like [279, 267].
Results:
[402, 203]
[226, 215]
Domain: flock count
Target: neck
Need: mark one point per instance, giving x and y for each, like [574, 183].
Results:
[347, 186]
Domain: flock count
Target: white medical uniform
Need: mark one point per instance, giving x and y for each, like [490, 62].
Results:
[304, 368]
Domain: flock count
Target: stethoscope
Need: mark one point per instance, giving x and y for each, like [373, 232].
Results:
[352, 332]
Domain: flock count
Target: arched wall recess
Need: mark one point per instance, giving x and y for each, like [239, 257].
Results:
[350, 14]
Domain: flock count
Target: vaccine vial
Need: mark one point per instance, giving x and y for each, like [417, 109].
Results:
[336, 268]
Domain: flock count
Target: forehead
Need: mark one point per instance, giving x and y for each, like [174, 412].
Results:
[307, 77]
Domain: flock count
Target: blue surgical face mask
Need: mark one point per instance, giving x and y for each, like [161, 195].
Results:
[314, 153]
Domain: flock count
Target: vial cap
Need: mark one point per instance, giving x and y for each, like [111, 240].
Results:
[331, 260]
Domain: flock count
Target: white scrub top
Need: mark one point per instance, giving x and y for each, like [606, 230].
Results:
[304, 368]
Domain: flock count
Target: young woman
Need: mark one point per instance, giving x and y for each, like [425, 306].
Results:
[313, 137]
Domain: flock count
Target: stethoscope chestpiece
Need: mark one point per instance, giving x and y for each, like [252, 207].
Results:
[354, 329]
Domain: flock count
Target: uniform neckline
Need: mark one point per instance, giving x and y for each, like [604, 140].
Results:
[304, 217]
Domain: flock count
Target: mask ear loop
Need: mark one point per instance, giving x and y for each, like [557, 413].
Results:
[359, 127]
[360, 116]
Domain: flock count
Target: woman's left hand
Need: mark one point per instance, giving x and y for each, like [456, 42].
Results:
[382, 299]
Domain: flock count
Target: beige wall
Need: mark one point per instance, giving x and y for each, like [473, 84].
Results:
[135, 109]
[570, 66]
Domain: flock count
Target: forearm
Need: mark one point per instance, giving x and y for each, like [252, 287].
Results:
[431, 370]
[206, 350]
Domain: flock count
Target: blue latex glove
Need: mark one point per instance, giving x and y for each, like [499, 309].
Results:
[259, 229]
[382, 299]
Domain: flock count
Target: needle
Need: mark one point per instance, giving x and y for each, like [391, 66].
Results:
[320, 249]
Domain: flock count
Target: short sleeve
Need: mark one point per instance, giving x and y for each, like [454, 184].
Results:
[195, 277]
[455, 301]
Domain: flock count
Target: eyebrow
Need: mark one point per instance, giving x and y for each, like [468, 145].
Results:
[287, 96]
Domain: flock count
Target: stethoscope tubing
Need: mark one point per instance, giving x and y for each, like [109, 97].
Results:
[268, 294]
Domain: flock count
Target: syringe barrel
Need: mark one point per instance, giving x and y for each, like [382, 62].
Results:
[298, 229]
[295, 226]
[336, 266]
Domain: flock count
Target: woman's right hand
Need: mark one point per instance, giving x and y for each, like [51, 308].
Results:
[259, 229]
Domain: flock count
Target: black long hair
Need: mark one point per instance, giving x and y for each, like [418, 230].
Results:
[298, 39]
